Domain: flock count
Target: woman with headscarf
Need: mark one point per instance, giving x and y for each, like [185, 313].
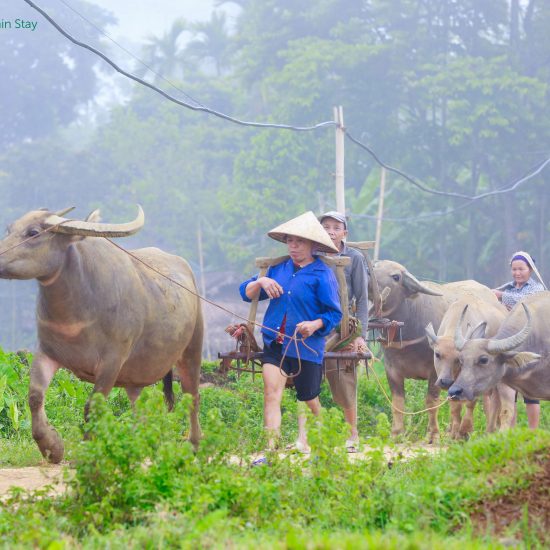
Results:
[304, 307]
[523, 284]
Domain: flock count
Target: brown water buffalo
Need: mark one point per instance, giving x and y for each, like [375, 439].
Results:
[478, 314]
[518, 355]
[415, 303]
[102, 314]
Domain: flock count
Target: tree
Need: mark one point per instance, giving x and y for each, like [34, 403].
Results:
[211, 43]
[164, 55]
[45, 78]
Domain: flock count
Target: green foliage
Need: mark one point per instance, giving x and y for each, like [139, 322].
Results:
[65, 400]
[137, 482]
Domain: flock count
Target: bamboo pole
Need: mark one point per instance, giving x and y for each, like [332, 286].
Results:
[339, 172]
[203, 287]
[380, 214]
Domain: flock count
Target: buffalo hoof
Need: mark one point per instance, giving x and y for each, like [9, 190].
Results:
[398, 436]
[433, 438]
[51, 447]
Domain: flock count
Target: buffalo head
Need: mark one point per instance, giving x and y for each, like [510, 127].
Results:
[483, 361]
[396, 284]
[35, 244]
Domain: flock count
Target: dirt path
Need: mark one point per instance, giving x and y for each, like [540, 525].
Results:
[38, 477]
[32, 478]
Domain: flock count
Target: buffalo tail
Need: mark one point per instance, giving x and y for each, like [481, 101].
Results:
[168, 389]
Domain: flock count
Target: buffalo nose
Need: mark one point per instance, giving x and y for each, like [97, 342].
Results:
[445, 383]
[455, 393]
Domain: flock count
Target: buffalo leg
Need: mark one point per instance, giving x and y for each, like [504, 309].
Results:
[189, 372]
[107, 374]
[491, 406]
[47, 439]
[432, 400]
[467, 424]
[456, 418]
[506, 397]
[397, 387]
[133, 393]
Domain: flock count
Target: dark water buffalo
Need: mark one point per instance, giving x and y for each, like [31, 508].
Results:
[518, 355]
[475, 314]
[415, 303]
[101, 314]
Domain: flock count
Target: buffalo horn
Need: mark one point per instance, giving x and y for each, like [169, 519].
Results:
[96, 229]
[411, 283]
[507, 344]
[459, 337]
[94, 216]
[62, 213]
[430, 332]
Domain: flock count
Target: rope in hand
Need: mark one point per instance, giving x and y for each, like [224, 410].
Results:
[296, 341]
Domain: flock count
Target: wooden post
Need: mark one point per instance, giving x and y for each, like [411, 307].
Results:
[339, 263]
[376, 299]
[380, 213]
[203, 286]
[339, 173]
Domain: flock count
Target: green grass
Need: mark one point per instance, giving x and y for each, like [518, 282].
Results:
[138, 484]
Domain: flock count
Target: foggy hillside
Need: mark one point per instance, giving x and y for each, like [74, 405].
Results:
[453, 95]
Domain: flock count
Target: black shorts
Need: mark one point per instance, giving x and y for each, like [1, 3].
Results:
[528, 401]
[308, 382]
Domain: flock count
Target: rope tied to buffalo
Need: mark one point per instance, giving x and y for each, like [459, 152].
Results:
[291, 339]
[370, 365]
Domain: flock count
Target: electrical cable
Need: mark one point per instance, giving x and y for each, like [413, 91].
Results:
[421, 217]
[168, 96]
[500, 191]
[221, 115]
[148, 67]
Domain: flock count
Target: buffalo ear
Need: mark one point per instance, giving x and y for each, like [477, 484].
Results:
[479, 331]
[520, 359]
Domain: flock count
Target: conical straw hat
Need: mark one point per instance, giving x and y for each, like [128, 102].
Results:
[306, 226]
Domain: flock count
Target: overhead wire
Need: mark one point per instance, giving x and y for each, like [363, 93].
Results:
[329, 123]
[421, 217]
[168, 96]
[540, 166]
[146, 65]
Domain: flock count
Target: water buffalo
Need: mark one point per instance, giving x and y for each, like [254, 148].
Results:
[518, 355]
[478, 314]
[415, 303]
[102, 314]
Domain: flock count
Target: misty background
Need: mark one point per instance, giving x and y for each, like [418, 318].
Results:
[455, 94]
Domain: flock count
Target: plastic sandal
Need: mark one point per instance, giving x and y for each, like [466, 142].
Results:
[352, 446]
[261, 461]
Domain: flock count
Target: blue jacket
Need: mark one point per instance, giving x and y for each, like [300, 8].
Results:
[308, 294]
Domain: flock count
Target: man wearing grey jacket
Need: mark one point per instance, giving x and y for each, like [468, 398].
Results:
[343, 385]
